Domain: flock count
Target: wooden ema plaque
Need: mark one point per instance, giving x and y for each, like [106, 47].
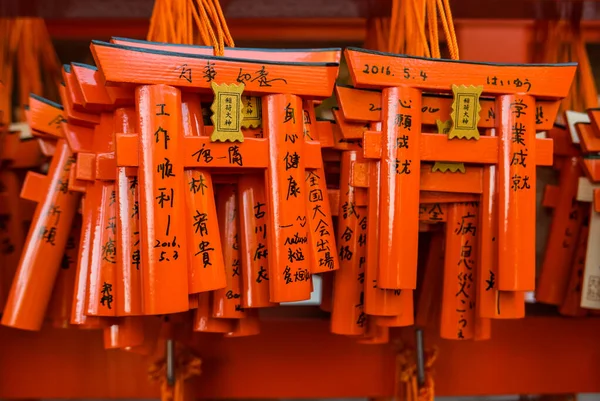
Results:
[588, 190]
[17, 156]
[276, 80]
[51, 224]
[514, 151]
[475, 184]
[567, 223]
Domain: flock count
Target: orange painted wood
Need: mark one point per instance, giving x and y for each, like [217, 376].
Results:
[45, 116]
[124, 332]
[102, 282]
[591, 168]
[227, 302]
[365, 105]
[323, 246]
[80, 139]
[74, 92]
[203, 319]
[27, 154]
[43, 251]
[77, 117]
[562, 237]
[434, 197]
[347, 312]
[14, 217]
[595, 119]
[433, 212]
[516, 193]
[551, 196]
[125, 64]
[571, 304]
[406, 315]
[247, 326]
[80, 288]
[492, 303]
[302, 55]
[349, 130]
[96, 96]
[254, 255]
[61, 301]
[436, 147]
[205, 252]
[371, 69]
[400, 175]
[289, 267]
[378, 301]
[589, 142]
[128, 274]
[563, 144]
[162, 222]
[460, 272]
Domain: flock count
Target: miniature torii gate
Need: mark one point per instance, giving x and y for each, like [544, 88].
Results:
[47, 238]
[15, 154]
[360, 106]
[401, 147]
[458, 321]
[566, 222]
[588, 190]
[290, 279]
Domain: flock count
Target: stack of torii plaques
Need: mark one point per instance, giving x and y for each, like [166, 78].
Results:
[579, 178]
[561, 278]
[165, 197]
[202, 187]
[482, 187]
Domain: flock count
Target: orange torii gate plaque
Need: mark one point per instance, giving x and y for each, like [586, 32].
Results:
[47, 238]
[279, 83]
[364, 106]
[402, 147]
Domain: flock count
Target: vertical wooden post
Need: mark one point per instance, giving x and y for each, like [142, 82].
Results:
[323, 253]
[460, 272]
[227, 302]
[253, 214]
[562, 237]
[400, 175]
[347, 314]
[491, 302]
[44, 247]
[205, 252]
[571, 305]
[80, 289]
[516, 189]
[378, 301]
[165, 275]
[130, 264]
[102, 282]
[289, 270]
[61, 301]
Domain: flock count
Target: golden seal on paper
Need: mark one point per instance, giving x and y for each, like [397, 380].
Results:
[465, 111]
[227, 114]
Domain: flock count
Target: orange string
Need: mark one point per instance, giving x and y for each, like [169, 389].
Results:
[189, 22]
